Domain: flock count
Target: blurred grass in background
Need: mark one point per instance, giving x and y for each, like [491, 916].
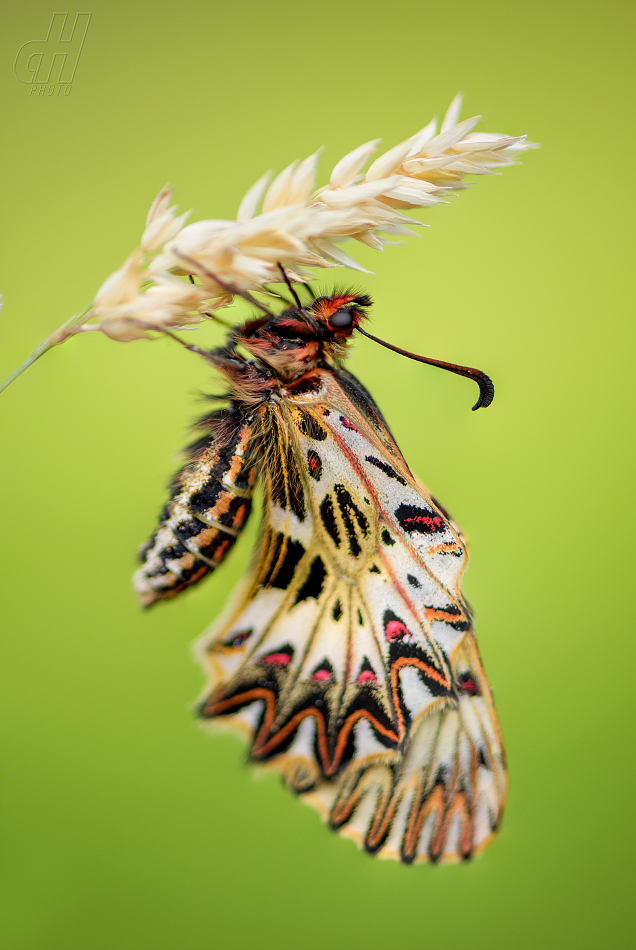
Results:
[123, 825]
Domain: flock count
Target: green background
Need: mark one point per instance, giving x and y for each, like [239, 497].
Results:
[123, 824]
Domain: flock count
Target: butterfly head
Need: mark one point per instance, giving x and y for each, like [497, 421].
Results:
[340, 314]
[301, 338]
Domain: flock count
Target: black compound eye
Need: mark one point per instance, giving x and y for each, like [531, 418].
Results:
[341, 320]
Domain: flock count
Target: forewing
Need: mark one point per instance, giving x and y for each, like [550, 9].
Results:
[348, 656]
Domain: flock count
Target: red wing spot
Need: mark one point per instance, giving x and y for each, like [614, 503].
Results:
[320, 676]
[468, 685]
[314, 464]
[276, 659]
[366, 676]
[348, 425]
[433, 524]
[395, 629]
[421, 520]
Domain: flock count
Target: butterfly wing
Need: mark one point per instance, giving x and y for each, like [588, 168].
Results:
[348, 656]
[210, 501]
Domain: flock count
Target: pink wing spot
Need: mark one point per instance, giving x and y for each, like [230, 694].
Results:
[276, 659]
[320, 675]
[366, 676]
[394, 629]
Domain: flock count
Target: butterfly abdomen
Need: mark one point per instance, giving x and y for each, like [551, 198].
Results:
[211, 501]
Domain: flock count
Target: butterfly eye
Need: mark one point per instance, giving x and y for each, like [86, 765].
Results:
[341, 320]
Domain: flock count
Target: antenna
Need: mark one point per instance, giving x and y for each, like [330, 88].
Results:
[229, 287]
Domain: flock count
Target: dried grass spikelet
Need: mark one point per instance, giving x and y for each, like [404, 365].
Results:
[162, 224]
[298, 227]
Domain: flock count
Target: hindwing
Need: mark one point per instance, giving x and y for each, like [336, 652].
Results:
[210, 502]
[348, 655]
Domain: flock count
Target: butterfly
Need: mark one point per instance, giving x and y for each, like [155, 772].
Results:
[347, 656]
